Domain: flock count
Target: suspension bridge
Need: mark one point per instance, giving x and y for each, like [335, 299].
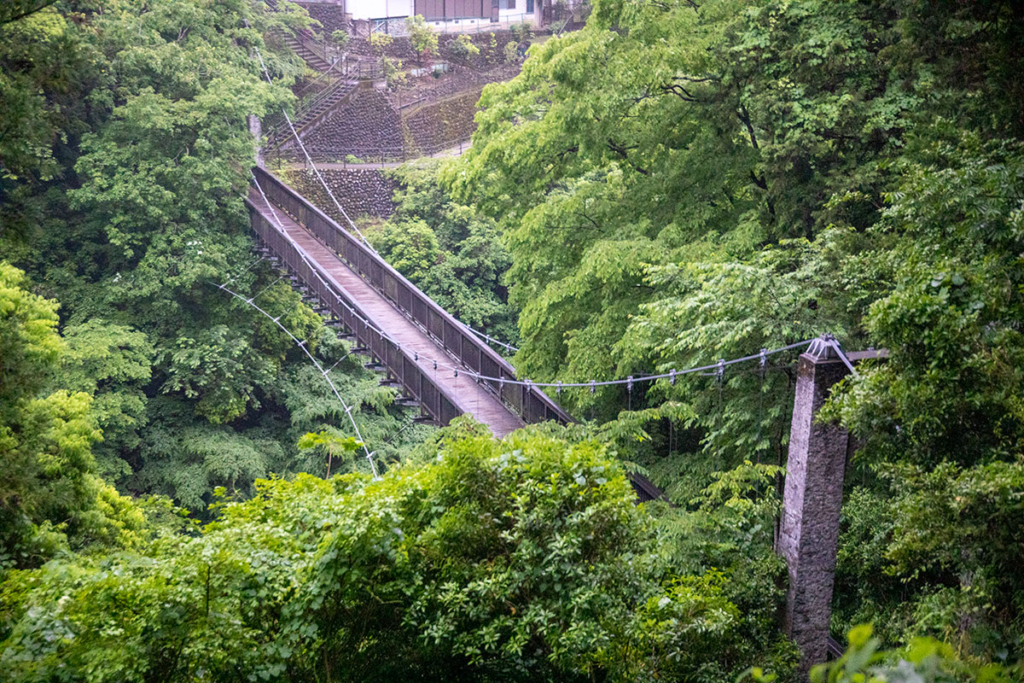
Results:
[417, 343]
[448, 369]
[411, 337]
[438, 363]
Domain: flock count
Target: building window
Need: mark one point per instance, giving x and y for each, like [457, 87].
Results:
[506, 4]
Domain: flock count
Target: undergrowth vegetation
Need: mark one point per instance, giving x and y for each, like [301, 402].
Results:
[182, 497]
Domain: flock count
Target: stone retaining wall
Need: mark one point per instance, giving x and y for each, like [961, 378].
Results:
[429, 116]
[361, 192]
[332, 17]
[365, 123]
[442, 123]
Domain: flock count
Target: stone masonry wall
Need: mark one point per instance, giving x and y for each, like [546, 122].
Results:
[442, 123]
[429, 115]
[365, 123]
[332, 17]
[362, 192]
[370, 123]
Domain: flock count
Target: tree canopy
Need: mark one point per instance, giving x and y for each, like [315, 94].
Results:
[681, 182]
[675, 183]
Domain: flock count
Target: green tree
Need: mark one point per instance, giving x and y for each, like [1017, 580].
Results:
[218, 370]
[329, 443]
[940, 420]
[113, 364]
[411, 247]
[422, 37]
[463, 49]
[340, 39]
[50, 498]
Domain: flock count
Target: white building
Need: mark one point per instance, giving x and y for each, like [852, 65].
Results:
[456, 16]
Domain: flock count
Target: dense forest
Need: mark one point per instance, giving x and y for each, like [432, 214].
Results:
[181, 497]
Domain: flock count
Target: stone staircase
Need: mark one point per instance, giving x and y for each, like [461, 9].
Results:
[302, 48]
[307, 115]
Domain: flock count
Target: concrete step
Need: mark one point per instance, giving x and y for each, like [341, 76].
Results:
[305, 118]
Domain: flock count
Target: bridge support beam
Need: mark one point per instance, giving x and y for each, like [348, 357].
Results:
[256, 128]
[809, 531]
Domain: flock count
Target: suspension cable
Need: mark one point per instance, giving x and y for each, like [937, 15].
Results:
[337, 204]
[643, 378]
[718, 367]
[345, 406]
[305, 152]
[491, 339]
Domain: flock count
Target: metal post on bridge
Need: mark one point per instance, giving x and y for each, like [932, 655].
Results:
[809, 530]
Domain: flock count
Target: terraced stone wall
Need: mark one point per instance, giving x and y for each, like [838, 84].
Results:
[361, 192]
[429, 117]
[442, 123]
[367, 122]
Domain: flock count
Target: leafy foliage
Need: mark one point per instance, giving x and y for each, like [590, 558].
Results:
[113, 364]
[463, 48]
[422, 37]
[923, 659]
[124, 164]
[515, 558]
[681, 182]
[50, 497]
[448, 249]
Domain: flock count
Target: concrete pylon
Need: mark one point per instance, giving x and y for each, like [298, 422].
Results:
[809, 530]
[256, 128]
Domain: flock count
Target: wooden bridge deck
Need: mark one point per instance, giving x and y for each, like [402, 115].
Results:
[469, 396]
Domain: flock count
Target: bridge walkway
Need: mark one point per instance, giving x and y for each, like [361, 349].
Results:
[468, 396]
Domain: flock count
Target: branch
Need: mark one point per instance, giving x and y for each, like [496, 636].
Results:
[618, 149]
[572, 150]
[744, 117]
[691, 79]
[624, 153]
[26, 12]
[592, 221]
[680, 92]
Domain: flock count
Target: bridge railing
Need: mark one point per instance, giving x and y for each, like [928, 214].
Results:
[434, 398]
[530, 403]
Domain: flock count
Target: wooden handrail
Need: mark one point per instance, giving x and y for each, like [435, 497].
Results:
[530, 404]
